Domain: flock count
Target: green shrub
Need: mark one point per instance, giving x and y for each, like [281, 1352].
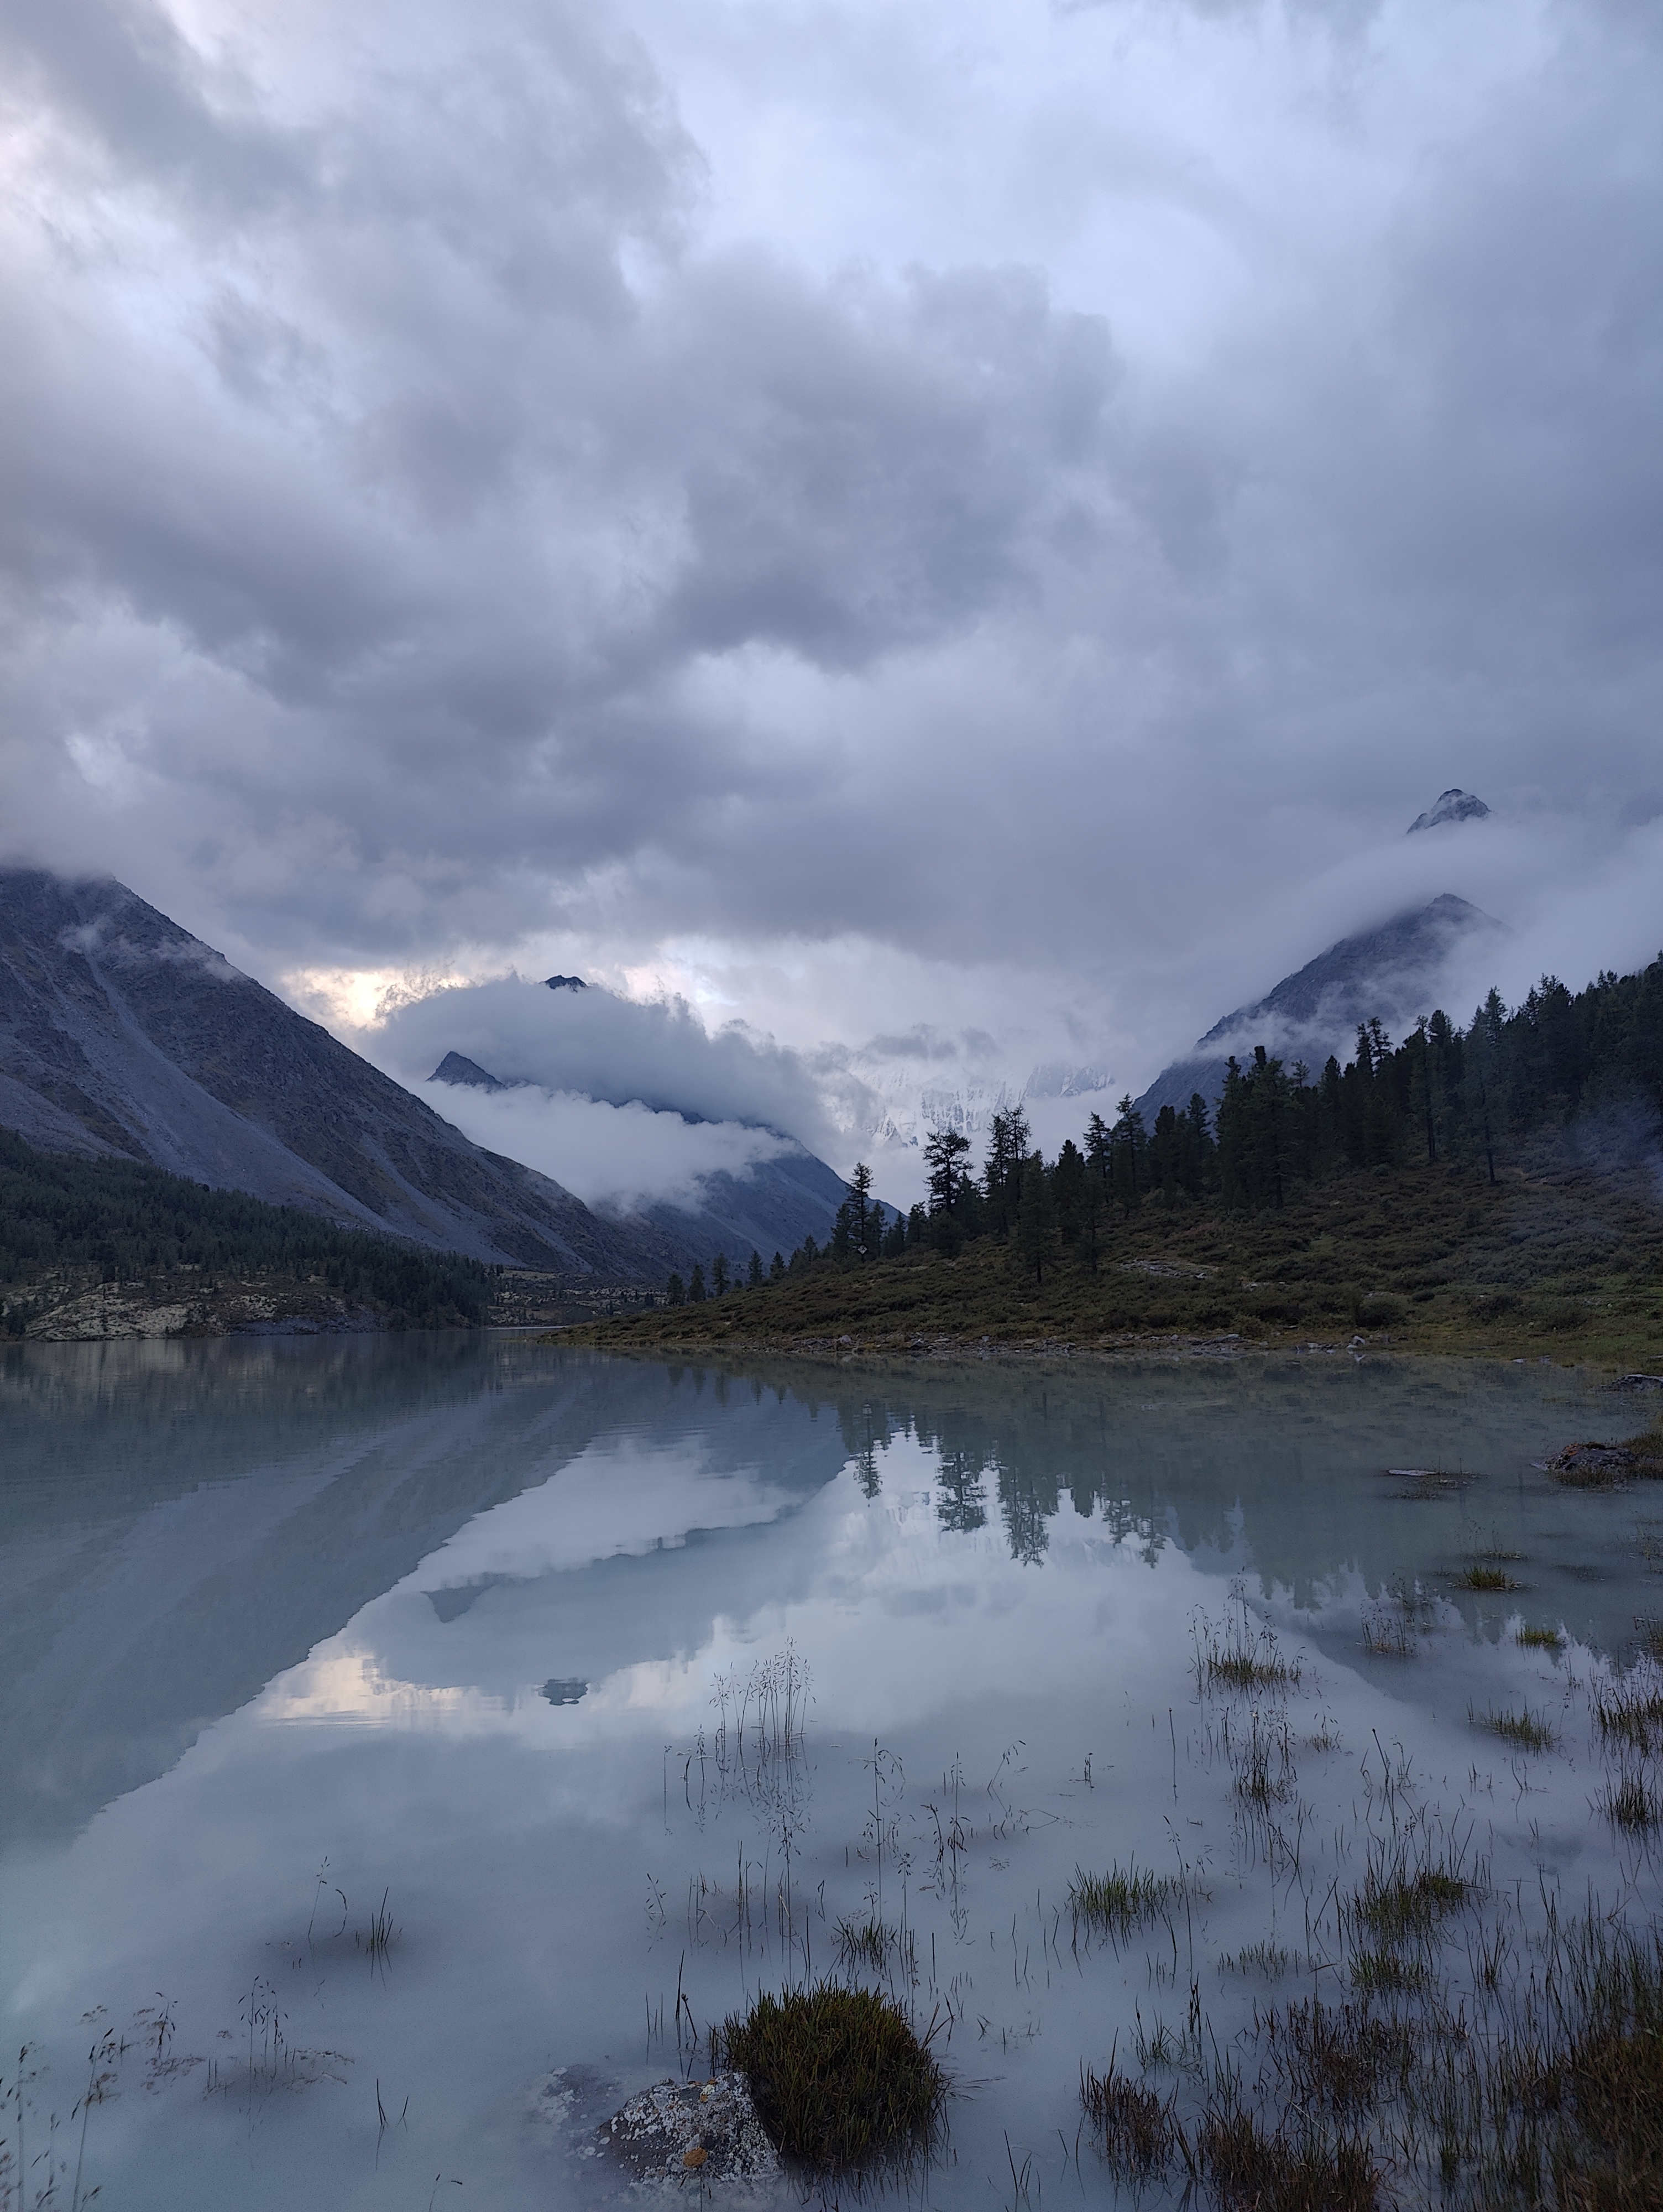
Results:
[838, 2075]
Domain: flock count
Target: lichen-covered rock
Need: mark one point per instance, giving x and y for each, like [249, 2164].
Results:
[1599, 1467]
[700, 2132]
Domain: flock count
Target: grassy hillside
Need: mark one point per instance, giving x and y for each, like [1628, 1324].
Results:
[1557, 1258]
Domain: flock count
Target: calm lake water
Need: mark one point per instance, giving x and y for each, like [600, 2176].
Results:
[485, 1648]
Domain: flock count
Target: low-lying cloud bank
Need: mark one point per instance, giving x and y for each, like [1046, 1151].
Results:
[616, 1158]
[623, 1103]
[658, 1055]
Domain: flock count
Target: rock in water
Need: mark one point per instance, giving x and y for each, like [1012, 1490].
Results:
[678, 2130]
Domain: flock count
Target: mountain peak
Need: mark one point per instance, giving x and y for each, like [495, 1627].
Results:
[577, 983]
[1451, 805]
[457, 1067]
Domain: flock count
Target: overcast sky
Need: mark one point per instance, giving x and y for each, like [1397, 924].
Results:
[968, 512]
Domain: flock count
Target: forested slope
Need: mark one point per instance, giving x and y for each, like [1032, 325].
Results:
[1493, 1187]
[69, 1228]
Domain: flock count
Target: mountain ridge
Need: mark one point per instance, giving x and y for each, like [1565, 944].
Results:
[121, 1034]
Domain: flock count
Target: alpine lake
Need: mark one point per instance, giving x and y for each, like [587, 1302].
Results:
[412, 1747]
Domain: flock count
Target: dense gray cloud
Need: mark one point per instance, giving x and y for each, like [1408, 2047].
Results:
[1017, 509]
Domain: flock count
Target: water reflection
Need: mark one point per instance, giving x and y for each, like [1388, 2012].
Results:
[179, 1522]
[474, 1621]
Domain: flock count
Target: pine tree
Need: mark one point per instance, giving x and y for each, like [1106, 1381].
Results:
[1070, 1182]
[674, 1291]
[1036, 1223]
[943, 1154]
[754, 1274]
[859, 1188]
[842, 1239]
[777, 1268]
[1128, 1141]
[696, 1287]
[1099, 1148]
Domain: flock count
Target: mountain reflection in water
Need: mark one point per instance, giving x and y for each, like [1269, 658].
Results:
[450, 1639]
[181, 1522]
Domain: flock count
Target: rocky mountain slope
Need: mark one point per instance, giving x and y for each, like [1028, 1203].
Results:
[1393, 973]
[122, 1034]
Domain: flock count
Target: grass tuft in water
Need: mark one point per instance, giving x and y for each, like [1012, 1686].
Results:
[1342, 2058]
[1541, 1639]
[1530, 1731]
[377, 1940]
[839, 2076]
[1271, 1961]
[1117, 1903]
[865, 1943]
[1286, 2170]
[1400, 1903]
[1241, 1658]
[1385, 1974]
[1630, 1711]
[1631, 1804]
[1478, 1577]
[1135, 2129]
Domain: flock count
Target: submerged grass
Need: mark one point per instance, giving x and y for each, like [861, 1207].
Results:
[1631, 1803]
[1387, 1973]
[1340, 2058]
[1403, 1903]
[1136, 2130]
[1480, 1577]
[865, 1943]
[1552, 2096]
[839, 2076]
[1249, 2169]
[1119, 1902]
[1541, 1639]
[1241, 1658]
[1530, 1731]
[1271, 1961]
[1630, 1711]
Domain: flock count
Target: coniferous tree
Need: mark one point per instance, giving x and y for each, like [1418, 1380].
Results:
[1036, 1222]
[1099, 1149]
[696, 1289]
[718, 1274]
[866, 1230]
[777, 1268]
[674, 1291]
[1070, 1179]
[754, 1274]
[944, 1156]
[995, 1175]
[1128, 1142]
[842, 1236]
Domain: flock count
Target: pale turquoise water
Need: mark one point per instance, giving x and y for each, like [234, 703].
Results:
[290, 1626]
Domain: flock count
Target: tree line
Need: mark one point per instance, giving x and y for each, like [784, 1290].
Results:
[126, 1221]
[1468, 1097]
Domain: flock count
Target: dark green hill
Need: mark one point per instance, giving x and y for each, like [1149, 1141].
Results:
[117, 1233]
